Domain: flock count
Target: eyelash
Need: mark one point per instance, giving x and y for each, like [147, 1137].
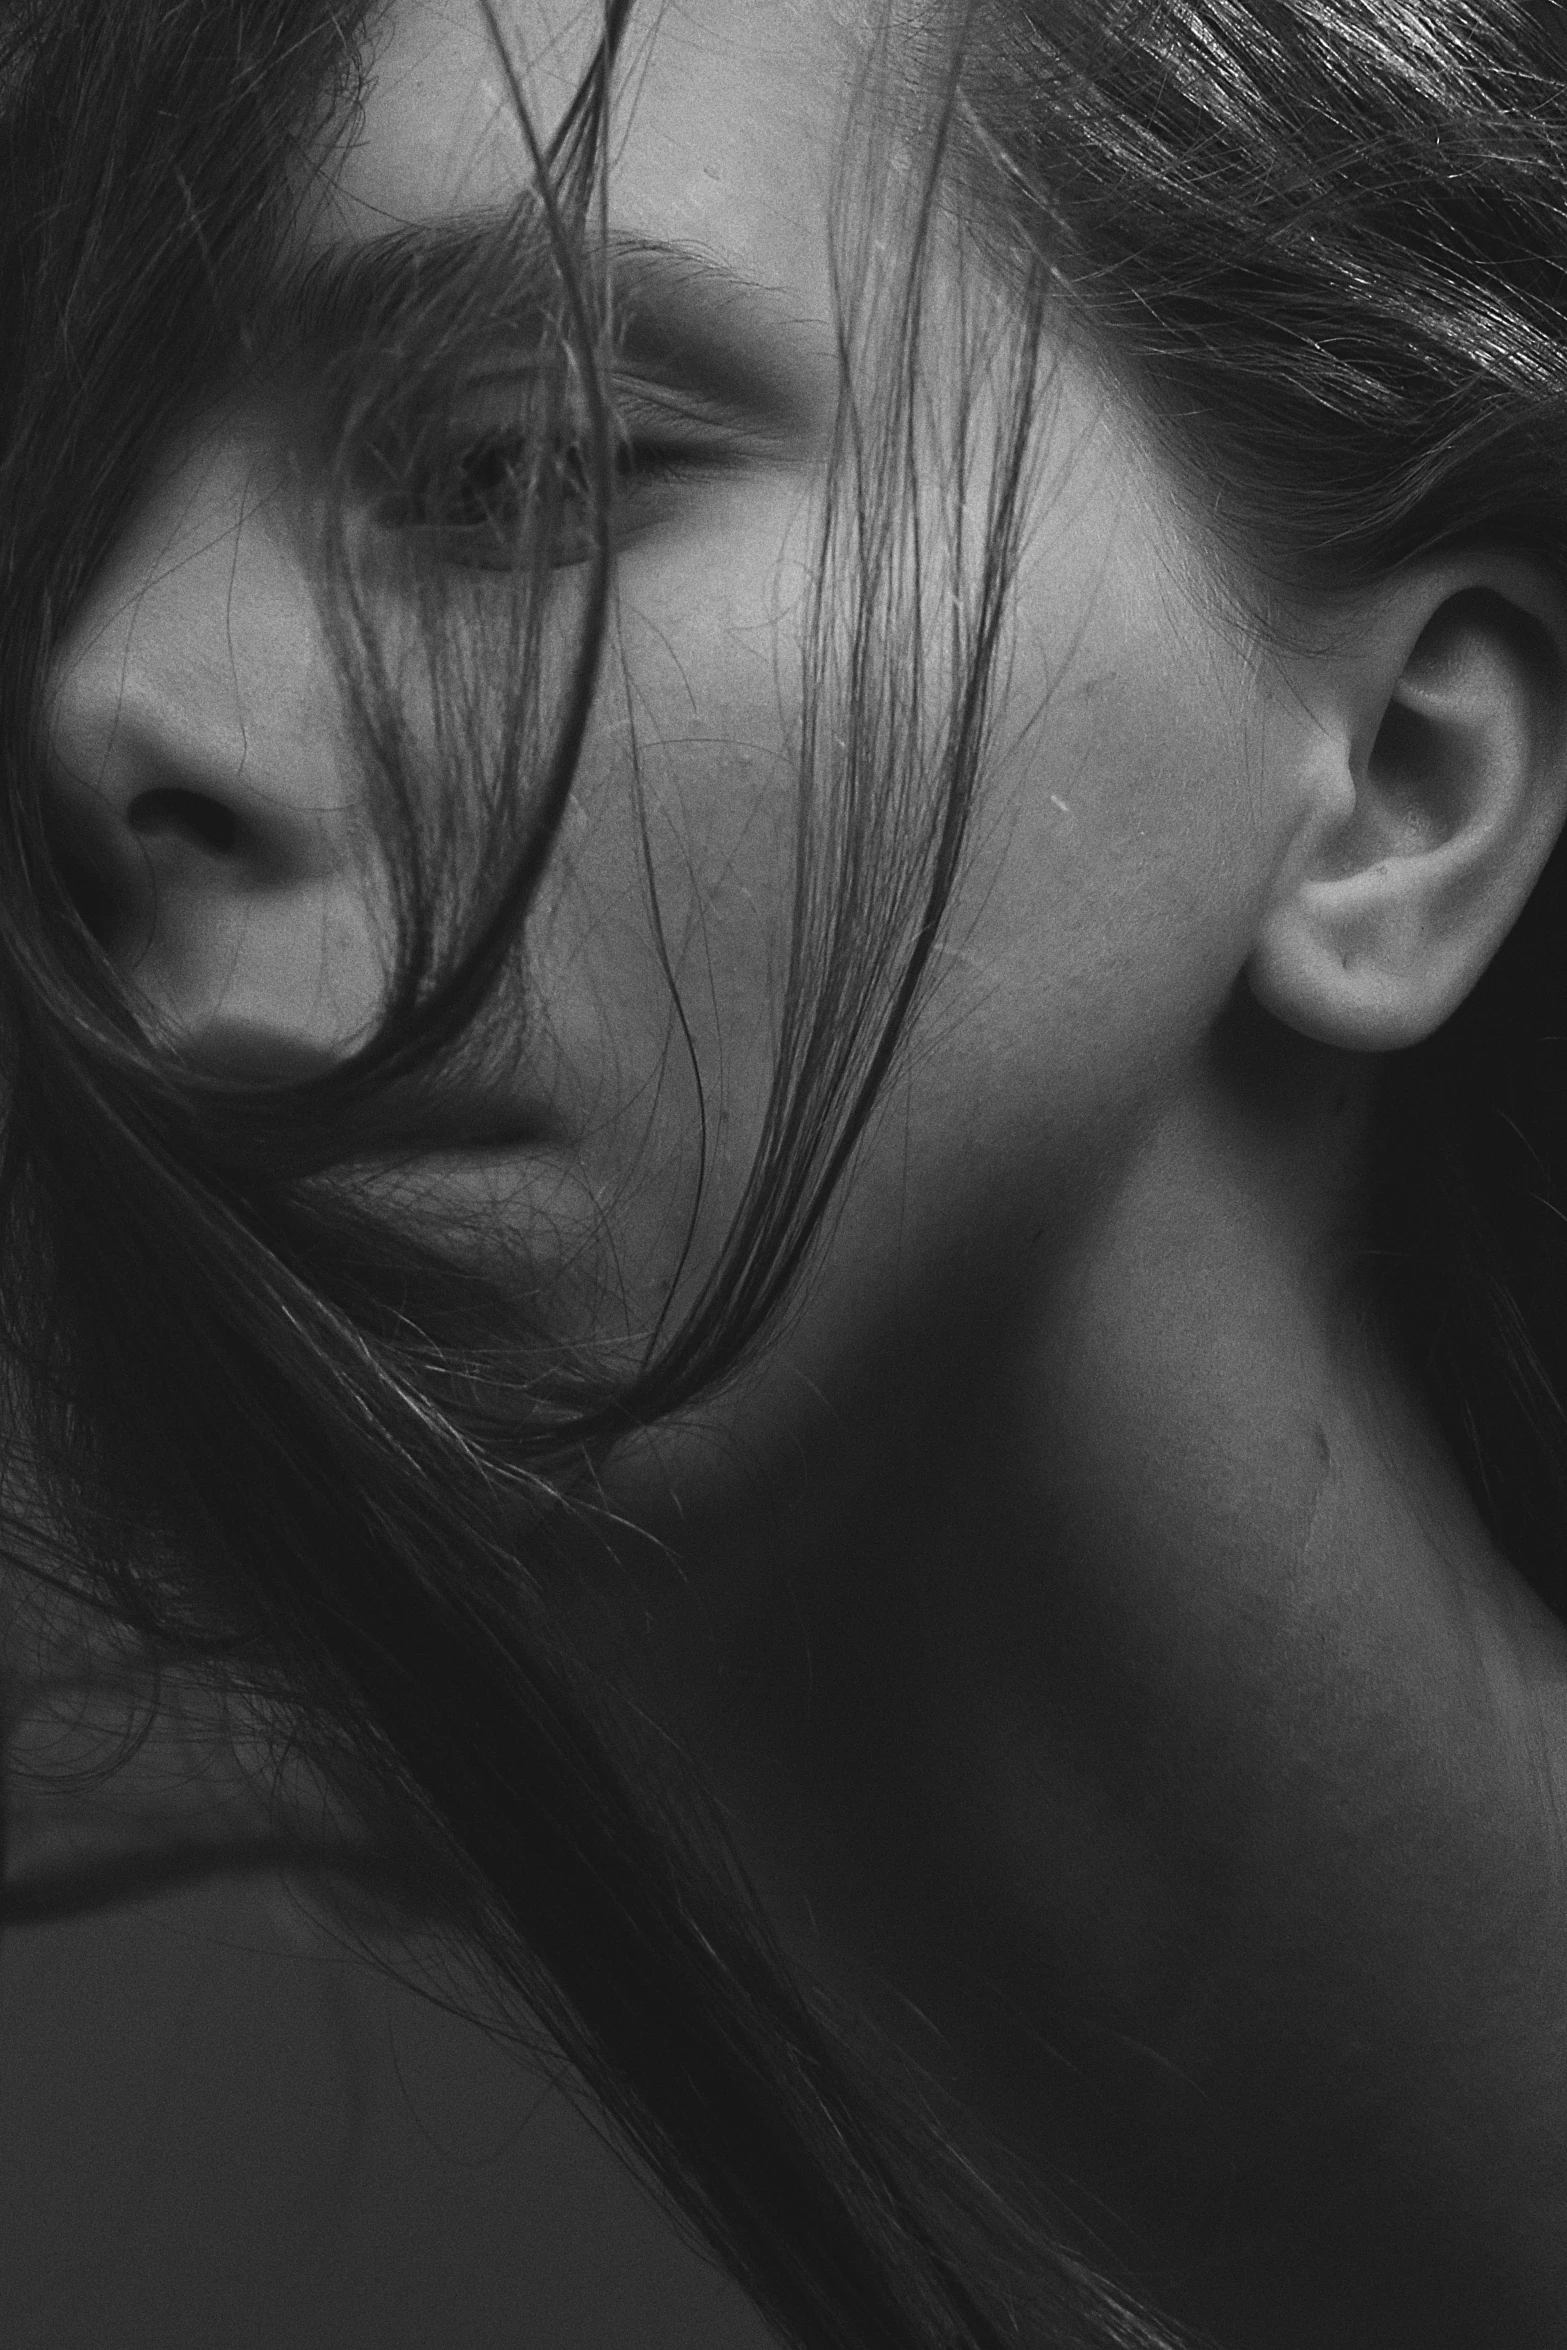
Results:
[495, 474]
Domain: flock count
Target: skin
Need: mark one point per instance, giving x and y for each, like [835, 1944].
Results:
[1112, 1687]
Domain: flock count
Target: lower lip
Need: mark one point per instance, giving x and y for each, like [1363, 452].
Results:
[433, 1174]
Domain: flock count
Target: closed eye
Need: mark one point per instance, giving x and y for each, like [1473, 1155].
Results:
[492, 501]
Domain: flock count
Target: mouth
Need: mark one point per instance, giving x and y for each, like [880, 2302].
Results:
[481, 1188]
[409, 1129]
[469, 1107]
[444, 1110]
[459, 1130]
[444, 1123]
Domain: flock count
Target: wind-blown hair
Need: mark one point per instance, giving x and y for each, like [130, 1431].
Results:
[300, 1449]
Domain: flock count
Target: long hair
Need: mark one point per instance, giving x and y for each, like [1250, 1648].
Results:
[308, 1452]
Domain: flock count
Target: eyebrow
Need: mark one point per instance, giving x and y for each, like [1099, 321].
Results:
[683, 318]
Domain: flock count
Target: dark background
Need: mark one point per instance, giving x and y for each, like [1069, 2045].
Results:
[221, 2131]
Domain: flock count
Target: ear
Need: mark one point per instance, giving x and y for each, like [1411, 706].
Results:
[1434, 785]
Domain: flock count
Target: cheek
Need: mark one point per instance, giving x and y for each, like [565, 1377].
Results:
[1102, 926]
[1092, 942]
[657, 953]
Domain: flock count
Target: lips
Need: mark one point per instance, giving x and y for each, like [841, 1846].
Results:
[286, 1103]
[453, 1119]
[461, 1126]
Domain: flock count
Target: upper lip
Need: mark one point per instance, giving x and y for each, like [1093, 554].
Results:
[407, 1119]
[455, 1115]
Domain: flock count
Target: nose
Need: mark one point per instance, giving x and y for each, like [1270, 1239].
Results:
[201, 775]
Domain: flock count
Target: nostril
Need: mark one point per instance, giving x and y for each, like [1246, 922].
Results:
[171, 813]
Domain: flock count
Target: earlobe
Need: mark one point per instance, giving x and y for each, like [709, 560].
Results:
[1435, 798]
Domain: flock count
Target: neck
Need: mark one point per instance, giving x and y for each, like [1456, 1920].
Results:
[1131, 1711]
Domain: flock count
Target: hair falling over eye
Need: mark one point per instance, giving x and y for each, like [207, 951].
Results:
[386, 1453]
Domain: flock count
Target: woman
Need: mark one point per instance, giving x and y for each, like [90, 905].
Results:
[780, 961]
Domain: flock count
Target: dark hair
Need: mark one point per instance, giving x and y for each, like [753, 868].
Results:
[337, 1469]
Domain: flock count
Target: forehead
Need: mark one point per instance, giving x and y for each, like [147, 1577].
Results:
[726, 120]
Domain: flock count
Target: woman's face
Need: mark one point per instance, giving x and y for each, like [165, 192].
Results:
[1118, 849]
